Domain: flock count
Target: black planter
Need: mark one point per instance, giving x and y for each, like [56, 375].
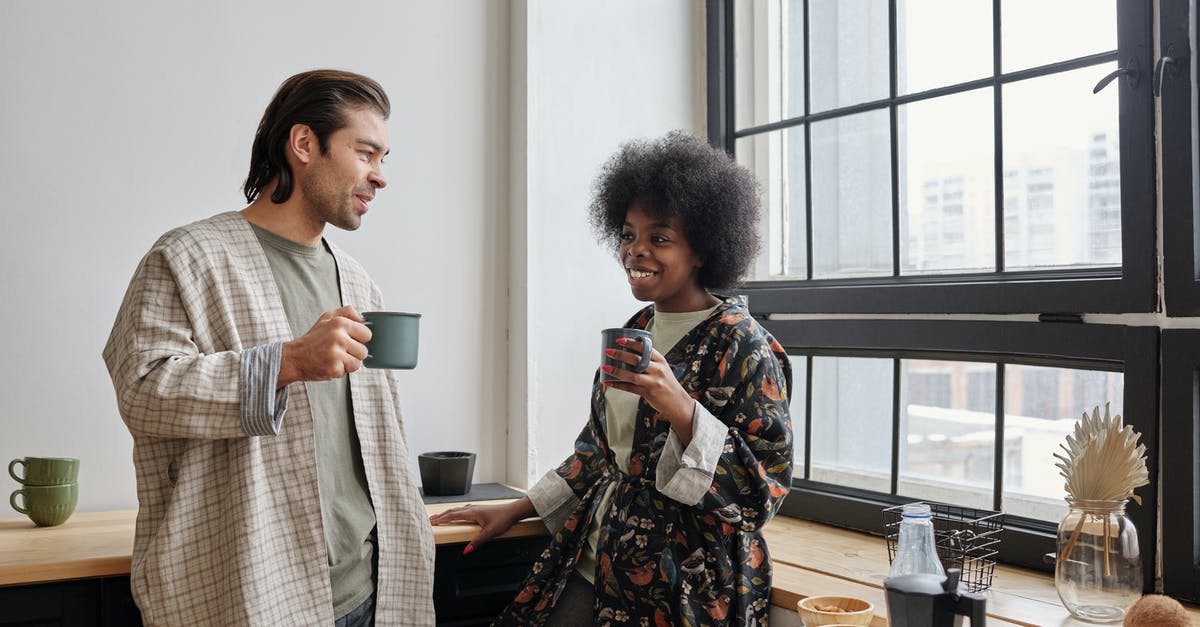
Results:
[446, 473]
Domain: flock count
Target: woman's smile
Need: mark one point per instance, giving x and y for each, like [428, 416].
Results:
[639, 276]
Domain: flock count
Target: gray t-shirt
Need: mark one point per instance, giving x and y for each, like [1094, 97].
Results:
[308, 285]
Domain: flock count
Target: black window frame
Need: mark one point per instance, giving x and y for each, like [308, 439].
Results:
[1181, 213]
[1130, 288]
[1026, 542]
[1180, 456]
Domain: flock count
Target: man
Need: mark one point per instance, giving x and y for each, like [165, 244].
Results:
[273, 474]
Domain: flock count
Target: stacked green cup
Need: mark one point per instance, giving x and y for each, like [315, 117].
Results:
[49, 491]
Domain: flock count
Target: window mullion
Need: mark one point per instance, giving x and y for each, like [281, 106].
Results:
[808, 209]
[895, 426]
[893, 80]
[998, 462]
[808, 417]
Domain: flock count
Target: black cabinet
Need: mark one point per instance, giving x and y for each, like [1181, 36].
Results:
[101, 602]
[471, 590]
[467, 590]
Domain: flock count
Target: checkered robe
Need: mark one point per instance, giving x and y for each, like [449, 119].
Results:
[229, 525]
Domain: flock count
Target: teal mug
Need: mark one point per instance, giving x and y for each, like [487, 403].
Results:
[44, 470]
[394, 340]
[46, 505]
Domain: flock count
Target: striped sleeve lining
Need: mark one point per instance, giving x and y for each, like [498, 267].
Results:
[553, 499]
[685, 474]
[262, 405]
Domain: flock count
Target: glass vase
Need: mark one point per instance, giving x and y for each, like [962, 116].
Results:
[1098, 570]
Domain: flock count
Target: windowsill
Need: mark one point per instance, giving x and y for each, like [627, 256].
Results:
[811, 559]
[808, 559]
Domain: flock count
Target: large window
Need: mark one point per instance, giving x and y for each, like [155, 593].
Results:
[925, 155]
[990, 167]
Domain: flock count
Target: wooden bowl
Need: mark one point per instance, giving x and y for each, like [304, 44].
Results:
[854, 611]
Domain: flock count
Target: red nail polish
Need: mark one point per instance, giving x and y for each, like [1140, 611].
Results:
[610, 351]
[622, 341]
[607, 369]
[467, 551]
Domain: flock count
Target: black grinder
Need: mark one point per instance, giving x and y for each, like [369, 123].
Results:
[932, 601]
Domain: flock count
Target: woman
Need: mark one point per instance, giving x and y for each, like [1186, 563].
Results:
[657, 515]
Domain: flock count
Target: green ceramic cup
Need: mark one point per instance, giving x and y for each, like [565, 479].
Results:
[46, 505]
[394, 341]
[45, 470]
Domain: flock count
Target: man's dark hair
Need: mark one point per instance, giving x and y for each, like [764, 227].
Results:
[680, 176]
[319, 99]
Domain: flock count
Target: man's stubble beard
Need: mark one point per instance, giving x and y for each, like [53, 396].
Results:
[330, 205]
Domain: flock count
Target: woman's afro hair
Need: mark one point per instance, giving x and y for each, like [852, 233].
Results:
[680, 176]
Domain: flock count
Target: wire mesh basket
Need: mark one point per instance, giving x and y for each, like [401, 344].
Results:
[966, 539]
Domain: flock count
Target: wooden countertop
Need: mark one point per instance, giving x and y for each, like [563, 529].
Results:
[809, 559]
[100, 544]
[94, 544]
[461, 534]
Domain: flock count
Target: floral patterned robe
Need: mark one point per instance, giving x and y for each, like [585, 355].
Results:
[661, 562]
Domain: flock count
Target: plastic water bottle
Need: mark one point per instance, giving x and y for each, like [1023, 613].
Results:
[916, 550]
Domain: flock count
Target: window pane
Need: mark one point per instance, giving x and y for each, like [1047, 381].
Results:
[764, 156]
[852, 422]
[1061, 172]
[1062, 30]
[851, 196]
[947, 449]
[768, 48]
[947, 194]
[796, 408]
[1041, 406]
[758, 65]
[795, 220]
[848, 58]
[931, 55]
[793, 57]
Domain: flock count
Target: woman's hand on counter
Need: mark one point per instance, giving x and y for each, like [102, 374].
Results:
[493, 520]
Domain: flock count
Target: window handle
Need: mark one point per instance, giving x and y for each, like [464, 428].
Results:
[1165, 66]
[1131, 72]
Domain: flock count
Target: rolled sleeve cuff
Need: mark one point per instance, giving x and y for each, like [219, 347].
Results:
[686, 474]
[554, 500]
[262, 405]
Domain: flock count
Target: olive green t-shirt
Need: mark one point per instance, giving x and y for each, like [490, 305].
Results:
[308, 285]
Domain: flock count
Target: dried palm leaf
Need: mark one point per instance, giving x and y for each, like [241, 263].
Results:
[1103, 462]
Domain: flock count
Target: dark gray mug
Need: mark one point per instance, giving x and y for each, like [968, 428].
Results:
[446, 473]
[608, 339]
[394, 341]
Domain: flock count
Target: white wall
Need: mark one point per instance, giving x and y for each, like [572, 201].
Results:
[122, 119]
[593, 78]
